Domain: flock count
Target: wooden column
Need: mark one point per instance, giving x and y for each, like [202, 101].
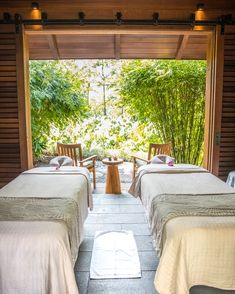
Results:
[14, 147]
[24, 100]
[213, 105]
[220, 104]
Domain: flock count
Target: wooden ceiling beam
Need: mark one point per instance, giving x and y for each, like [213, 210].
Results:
[117, 46]
[53, 46]
[183, 40]
[111, 31]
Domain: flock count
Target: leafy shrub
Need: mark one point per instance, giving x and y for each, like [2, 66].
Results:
[171, 96]
[56, 99]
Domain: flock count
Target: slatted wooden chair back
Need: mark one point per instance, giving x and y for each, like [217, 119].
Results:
[72, 150]
[155, 149]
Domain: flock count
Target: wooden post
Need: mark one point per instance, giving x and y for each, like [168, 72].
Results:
[213, 105]
[22, 62]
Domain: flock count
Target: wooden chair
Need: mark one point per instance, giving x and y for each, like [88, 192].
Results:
[154, 149]
[75, 152]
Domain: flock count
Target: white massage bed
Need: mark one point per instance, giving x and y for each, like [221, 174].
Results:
[195, 248]
[42, 213]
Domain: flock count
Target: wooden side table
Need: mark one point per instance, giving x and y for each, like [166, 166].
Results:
[112, 179]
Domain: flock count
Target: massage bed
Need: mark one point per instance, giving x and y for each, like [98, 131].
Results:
[191, 214]
[42, 213]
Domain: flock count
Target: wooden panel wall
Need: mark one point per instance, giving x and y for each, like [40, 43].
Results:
[135, 9]
[9, 120]
[10, 132]
[227, 140]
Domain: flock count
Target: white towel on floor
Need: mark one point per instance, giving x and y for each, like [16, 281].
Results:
[114, 255]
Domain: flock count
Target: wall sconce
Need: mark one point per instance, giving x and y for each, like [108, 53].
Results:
[155, 18]
[35, 6]
[200, 6]
[118, 18]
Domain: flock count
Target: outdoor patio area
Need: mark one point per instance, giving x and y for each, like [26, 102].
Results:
[125, 172]
[117, 212]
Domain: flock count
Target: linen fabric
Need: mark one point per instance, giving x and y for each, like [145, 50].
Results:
[197, 249]
[42, 213]
[35, 258]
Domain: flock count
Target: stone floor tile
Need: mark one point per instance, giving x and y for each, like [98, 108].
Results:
[98, 190]
[82, 279]
[106, 200]
[107, 218]
[129, 200]
[143, 285]
[148, 260]
[131, 208]
[137, 229]
[108, 208]
[87, 244]
[83, 262]
[90, 229]
[144, 243]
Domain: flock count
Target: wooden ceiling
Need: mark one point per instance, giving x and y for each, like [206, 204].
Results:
[117, 46]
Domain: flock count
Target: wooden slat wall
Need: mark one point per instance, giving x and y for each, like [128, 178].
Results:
[227, 141]
[10, 163]
[136, 9]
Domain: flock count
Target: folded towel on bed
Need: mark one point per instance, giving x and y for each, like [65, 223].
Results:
[166, 207]
[162, 158]
[59, 161]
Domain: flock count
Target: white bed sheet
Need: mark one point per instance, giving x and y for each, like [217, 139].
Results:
[36, 256]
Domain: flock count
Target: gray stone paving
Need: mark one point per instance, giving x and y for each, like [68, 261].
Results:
[121, 212]
[117, 212]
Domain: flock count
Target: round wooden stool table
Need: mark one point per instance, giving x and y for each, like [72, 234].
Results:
[112, 179]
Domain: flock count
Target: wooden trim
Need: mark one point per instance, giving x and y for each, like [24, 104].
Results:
[115, 30]
[218, 99]
[182, 44]
[117, 46]
[53, 46]
[209, 104]
[213, 107]
[22, 67]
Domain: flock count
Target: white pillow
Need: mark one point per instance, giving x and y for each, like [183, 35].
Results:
[157, 160]
[162, 158]
[61, 161]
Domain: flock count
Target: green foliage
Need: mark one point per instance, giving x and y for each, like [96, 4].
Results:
[102, 135]
[171, 96]
[161, 101]
[56, 99]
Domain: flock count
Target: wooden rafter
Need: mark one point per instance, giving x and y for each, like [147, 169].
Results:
[53, 46]
[183, 40]
[117, 49]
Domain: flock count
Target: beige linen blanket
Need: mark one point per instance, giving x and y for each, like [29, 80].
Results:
[135, 188]
[43, 194]
[197, 250]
